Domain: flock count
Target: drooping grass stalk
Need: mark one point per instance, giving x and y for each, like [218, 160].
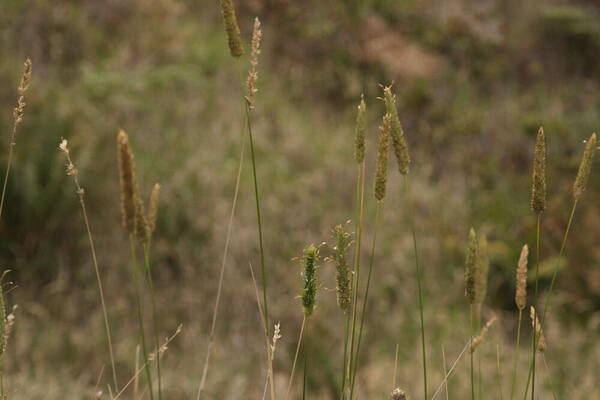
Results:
[18, 114]
[451, 371]
[72, 172]
[445, 372]
[534, 340]
[411, 211]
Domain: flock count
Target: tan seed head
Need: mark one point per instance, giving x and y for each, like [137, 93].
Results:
[538, 187]
[539, 333]
[126, 179]
[361, 128]
[521, 292]
[585, 167]
[153, 208]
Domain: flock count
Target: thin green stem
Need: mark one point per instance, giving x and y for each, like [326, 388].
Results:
[8, 166]
[365, 299]
[291, 380]
[445, 373]
[536, 294]
[514, 377]
[257, 201]
[346, 333]
[224, 263]
[360, 196]
[140, 313]
[147, 263]
[411, 213]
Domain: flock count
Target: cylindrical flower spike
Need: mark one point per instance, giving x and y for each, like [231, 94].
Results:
[481, 272]
[234, 37]
[310, 260]
[126, 178]
[361, 127]
[340, 250]
[585, 167]
[521, 292]
[396, 131]
[538, 187]
[471, 266]
[382, 158]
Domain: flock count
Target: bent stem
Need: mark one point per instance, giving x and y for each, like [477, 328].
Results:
[291, 380]
[364, 306]
[410, 205]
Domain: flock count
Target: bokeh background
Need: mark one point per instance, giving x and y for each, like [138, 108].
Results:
[475, 80]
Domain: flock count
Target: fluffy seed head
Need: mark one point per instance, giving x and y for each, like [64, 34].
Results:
[153, 208]
[19, 110]
[539, 333]
[538, 187]
[396, 131]
[585, 167]
[481, 272]
[142, 229]
[477, 340]
[310, 260]
[398, 394]
[340, 251]
[382, 158]
[234, 37]
[126, 178]
[521, 292]
[361, 128]
[471, 266]
[253, 73]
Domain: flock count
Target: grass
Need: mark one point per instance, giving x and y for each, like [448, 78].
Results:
[309, 184]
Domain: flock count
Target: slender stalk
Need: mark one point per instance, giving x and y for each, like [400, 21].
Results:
[472, 368]
[291, 380]
[72, 171]
[514, 377]
[365, 299]
[553, 281]
[535, 336]
[304, 380]
[395, 367]
[451, 371]
[445, 372]
[346, 333]
[223, 263]
[12, 144]
[360, 201]
[140, 313]
[410, 205]
[550, 380]
[498, 373]
[147, 263]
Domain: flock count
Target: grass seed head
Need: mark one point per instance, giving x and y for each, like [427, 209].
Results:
[538, 187]
[477, 340]
[585, 167]
[19, 110]
[153, 208]
[234, 37]
[481, 272]
[471, 266]
[382, 158]
[539, 333]
[343, 241]
[396, 131]
[361, 128]
[310, 260]
[126, 178]
[253, 73]
[521, 292]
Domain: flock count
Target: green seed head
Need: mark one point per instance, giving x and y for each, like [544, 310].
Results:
[382, 156]
[310, 260]
[585, 167]
[361, 127]
[343, 240]
[396, 131]
[234, 37]
[471, 266]
[538, 188]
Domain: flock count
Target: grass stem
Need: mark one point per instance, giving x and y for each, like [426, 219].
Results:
[291, 380]
[514, 377]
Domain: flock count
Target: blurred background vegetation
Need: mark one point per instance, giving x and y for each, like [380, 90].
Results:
[475, 80]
